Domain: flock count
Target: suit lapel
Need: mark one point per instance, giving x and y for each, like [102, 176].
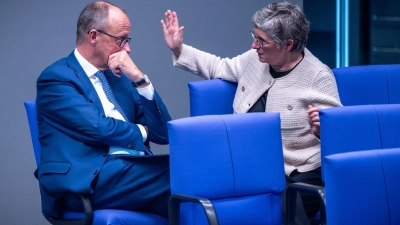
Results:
[90, 92]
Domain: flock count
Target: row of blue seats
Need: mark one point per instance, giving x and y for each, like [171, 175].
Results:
[220, 174]
[351, 129]
[357, 85]
[220, 166]
[355, 127]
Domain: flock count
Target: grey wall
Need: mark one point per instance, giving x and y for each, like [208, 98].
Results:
[36, 33]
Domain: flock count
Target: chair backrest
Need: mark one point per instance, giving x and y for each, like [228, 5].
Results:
[371, 84]
[236, 161]
[356, 128]
[363, 188]
[393, 81]
[211, 97]
[357, 85]
[30, 107]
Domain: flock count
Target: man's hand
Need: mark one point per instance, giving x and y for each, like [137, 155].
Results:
[313, 119]
[121, 62]
[172, 32]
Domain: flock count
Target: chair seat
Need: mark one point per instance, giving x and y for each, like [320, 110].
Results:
[119, 217]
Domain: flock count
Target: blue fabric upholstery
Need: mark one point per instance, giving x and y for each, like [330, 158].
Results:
[371, 84]
[393, 81]
[101, 217]
[356, 128]
[235, 161]
[389, 124]
[211, 97]
[362, 187]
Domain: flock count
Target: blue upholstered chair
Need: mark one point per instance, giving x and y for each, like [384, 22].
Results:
[95, 217]
[371, 84]
[362, 187]
[356, 128]
[211, 97]
[226, 169]
[349, 129]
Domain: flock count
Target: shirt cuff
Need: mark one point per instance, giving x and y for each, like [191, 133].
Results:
[147, 92]
[143, 131]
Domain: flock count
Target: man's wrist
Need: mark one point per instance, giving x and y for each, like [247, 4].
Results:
[144, 80]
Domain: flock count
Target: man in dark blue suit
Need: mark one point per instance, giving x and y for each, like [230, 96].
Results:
[96, 113]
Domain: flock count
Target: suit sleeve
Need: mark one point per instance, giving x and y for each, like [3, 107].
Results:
[155, 117]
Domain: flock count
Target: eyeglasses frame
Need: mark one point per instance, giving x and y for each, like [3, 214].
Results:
[261, 42]
[122, 42]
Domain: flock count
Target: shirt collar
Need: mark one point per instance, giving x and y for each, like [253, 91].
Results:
[89, 69]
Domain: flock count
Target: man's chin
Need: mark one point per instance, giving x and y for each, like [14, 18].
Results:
[104, 67]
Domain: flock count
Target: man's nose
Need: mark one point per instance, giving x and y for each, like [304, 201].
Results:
[127, 48]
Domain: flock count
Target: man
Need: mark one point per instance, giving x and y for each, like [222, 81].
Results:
[96, 113]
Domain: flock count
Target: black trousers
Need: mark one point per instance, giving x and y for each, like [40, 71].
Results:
[307, 204]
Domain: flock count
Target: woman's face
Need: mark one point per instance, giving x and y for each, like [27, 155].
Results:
[266, 48]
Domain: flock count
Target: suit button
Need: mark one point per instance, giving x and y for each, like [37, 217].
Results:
[105, 154]
[159, 111]
[131, 146]
[95, 172]
[289, 107]
[243, 88]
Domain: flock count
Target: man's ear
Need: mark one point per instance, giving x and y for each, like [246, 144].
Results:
[289, 44]
[92, 36]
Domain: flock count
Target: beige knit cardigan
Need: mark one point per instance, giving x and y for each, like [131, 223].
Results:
[310, 83]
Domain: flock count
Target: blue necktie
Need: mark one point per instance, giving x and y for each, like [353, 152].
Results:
[110, 94]
[113, 100]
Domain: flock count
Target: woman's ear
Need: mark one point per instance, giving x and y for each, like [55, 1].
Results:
[289, 44]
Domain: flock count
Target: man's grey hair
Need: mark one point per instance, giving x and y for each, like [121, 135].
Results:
[93, 16]
[282, 21]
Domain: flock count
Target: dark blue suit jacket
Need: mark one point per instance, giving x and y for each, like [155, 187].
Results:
[74, 132]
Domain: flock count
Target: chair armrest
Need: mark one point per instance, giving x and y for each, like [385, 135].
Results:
[174, 208]
[291, 198]
[87, 206]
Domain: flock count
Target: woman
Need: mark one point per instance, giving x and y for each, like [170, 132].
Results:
[277, 75]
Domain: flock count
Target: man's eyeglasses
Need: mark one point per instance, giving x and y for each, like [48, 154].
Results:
[122, 41]
[260, 41]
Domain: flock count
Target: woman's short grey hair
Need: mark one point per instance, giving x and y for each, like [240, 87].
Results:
[282, 21]
[93, 16]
